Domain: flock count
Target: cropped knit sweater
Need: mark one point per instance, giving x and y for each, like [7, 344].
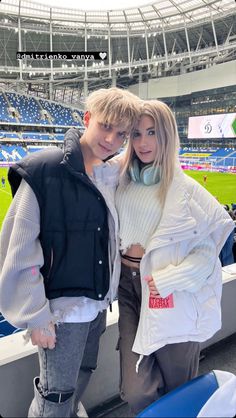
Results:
[139, 213]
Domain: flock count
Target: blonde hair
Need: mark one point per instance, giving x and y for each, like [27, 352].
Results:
[114, 106]
[168, 143]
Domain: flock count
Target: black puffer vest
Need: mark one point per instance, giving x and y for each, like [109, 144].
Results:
[73, 216]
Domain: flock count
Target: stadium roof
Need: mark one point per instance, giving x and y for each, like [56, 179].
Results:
[93, 4]
[156, 39]
[151, 15]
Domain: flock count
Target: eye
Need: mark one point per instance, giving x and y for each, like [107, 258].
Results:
[105, 126]
[135, 134]
[122, 135]
[151, 132]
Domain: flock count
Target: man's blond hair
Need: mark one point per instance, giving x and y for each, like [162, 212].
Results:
[114, 106]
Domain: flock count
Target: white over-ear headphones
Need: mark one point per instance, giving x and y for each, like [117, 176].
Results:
[148, 174]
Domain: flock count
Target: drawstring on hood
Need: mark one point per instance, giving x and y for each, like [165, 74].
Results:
[138, 362]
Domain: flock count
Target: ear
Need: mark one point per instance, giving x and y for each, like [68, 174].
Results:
[87, 117]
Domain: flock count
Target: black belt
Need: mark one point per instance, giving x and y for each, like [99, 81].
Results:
[132, 259]
[57, 397]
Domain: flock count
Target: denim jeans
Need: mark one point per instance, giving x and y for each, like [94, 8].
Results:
[67, 368]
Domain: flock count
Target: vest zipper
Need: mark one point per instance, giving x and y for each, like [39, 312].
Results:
[51, 263]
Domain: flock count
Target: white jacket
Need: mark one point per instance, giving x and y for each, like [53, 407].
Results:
[190, 216]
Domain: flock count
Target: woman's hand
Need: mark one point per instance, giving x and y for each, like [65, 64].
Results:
[151, 285]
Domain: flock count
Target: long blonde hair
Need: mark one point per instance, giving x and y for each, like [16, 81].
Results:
[168, 143]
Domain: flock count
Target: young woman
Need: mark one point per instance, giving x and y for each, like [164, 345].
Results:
[171, 233]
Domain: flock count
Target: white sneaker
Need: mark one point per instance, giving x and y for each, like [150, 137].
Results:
[81, 413]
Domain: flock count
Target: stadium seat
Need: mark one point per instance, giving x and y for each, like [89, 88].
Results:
[6, 328]
[61, 115]
[209, 395]
[11, 153]
[27, 107]
[29, 111]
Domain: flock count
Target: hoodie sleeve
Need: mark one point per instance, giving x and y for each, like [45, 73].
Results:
[22, 296]
[191, 274]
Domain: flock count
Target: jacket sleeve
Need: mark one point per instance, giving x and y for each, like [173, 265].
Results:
[22, 296]
[189, 275]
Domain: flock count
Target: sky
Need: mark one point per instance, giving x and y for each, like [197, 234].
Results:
[95, 4]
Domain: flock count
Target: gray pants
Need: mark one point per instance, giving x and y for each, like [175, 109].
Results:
[160, 372]
[67, 368]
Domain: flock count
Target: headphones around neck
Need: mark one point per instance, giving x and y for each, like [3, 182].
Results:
[148, 174]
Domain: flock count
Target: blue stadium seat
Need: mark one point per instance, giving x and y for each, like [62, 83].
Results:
[61, 115]
[6, 328]
[28, 108]
[29, 111]
[11, 153]
[185, 401]
[4, 114]
[221, 158]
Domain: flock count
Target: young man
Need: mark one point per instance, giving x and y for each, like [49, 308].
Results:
[59, 257]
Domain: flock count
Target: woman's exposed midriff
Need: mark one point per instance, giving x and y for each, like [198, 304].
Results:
[135, 251]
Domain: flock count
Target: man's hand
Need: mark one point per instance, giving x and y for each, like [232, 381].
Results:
[151, 285]
[44, 337]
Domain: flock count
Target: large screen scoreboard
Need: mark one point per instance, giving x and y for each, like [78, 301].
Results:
[212, 126]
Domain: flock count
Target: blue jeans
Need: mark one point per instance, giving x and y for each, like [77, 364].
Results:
[65, 371]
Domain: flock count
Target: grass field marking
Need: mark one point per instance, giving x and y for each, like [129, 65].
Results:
[4, 191]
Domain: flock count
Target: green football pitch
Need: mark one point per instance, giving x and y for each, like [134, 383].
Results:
[221, 185]
[5, 195]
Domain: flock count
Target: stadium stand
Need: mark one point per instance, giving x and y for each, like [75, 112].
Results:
[60, 115]
[11, 153]
[27, 107]
[212, 159]
[4, 114]
[33, 111]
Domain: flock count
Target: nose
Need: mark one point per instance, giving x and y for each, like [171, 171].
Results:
[110, 137]
[143, 140]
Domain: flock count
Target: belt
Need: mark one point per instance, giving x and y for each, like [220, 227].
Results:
[58, 397]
